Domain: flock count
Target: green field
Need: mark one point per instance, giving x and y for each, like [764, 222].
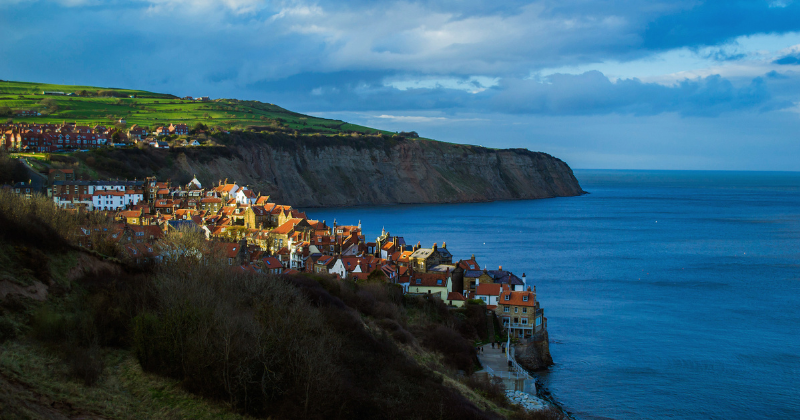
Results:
[92, 106]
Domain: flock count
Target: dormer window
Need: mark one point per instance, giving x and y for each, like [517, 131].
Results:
[524, 298]
[439, 282]
[419, 281]
[508, 297]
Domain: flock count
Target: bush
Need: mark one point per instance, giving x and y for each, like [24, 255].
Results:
[48, 325]
[490, 387]
[546, 414]
[457, 351]
[86, 364]
[8, 330]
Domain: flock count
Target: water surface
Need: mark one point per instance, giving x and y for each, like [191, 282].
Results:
[669, 294]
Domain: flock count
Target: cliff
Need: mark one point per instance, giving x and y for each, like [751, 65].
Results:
[535, 355]
[343, 171]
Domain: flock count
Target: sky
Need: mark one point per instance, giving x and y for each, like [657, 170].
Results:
[624, 84]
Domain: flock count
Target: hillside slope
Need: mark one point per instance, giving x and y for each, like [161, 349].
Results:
[345, 171]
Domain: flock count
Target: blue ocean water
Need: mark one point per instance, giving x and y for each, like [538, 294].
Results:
[669, 294]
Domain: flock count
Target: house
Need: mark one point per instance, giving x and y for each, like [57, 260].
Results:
[279, 237]
[424, 258]
[435, 284]
[245, 196]
[520, 313]
[178, 129]
[456, 299]
[488, 293]
[346, 267]
[60, 175]
[133, 217]
[324, 264]
[256, 217]
[193, 143]
[271, 265]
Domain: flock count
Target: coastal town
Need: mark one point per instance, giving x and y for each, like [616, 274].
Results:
[257, 235]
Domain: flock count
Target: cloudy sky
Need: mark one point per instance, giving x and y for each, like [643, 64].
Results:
[685, 84]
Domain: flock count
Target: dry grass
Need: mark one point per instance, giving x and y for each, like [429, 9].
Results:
[122, 392]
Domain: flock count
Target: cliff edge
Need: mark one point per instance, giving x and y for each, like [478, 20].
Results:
[331, 171]
[535, 355]
[352, 173]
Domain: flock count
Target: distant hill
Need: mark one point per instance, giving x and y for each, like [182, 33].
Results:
[89, 105]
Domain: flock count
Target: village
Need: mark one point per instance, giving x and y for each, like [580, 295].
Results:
[51, 138]
[257, 235]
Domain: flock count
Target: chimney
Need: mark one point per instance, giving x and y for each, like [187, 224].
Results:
[444, 245]
[529, 288]
[434, 246]
[394, 241]
[534, 289]
[473, 257]
[523, 277]
[501, 268]
[359, 225]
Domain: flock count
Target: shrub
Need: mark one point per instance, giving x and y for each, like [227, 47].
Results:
[490, 387]
[86, 364]
[49, 325]
[8, 330]
[546, 414]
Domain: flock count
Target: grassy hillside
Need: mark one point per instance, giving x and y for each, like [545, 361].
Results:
[93, 105]
[83, 335]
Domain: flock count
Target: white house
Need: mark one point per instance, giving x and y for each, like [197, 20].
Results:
[114, 200]
[245, 196]
[488, 293]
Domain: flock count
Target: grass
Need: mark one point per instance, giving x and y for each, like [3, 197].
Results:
[153, 110]
[123, 392]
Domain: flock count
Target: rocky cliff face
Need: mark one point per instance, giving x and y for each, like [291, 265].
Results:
[396, 172]
[536, 355]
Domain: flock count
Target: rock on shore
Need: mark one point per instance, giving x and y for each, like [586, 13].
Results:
[536, 355]
[528, 401]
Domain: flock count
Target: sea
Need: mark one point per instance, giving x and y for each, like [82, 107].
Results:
[668, 294]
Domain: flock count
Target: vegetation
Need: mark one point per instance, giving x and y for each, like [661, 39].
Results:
[123, 341]
[91, 106]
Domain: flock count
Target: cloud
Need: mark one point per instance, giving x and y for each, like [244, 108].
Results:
[592, 93]
[715, 22]
[790, 59]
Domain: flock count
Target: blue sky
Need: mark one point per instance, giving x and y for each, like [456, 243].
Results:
[601, 84]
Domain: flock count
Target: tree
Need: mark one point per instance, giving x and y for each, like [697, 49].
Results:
[50, 104]
[5, 111]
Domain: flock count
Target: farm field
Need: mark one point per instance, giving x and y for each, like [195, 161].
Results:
[104, 106]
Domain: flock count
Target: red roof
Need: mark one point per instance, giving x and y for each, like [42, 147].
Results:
[455, 296]
[488, 289]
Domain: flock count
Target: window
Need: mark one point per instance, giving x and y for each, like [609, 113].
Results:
[508, 297]
[525, 298]
[419, 281]
[524, 321]
[230, 261]
[439, 282]
[524, 310]
[516, 309]
[505, 309]
[538, 321]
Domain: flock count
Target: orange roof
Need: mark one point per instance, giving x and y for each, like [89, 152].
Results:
[517, 298]
[287, 227]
